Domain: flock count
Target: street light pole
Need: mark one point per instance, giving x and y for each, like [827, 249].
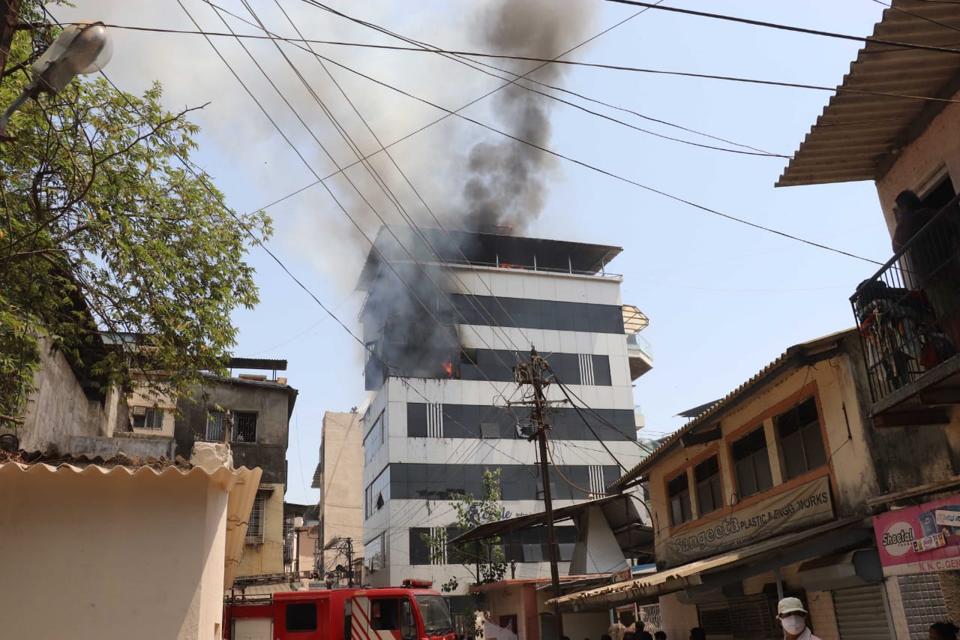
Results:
[79, 49]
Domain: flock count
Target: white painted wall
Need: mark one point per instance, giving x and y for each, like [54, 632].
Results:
[98, 556]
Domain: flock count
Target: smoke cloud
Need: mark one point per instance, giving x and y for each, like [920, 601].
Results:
[506, 183]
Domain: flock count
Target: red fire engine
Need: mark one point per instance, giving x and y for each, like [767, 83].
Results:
[411, 612]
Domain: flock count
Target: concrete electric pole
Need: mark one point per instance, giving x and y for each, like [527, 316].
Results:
[533, 373]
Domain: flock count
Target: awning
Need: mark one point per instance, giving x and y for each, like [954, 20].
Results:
[865, 123]
[620, 511]
[734, 565]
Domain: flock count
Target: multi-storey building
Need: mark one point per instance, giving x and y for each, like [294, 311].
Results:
[251, 412]
[447, 315]
[339, 477]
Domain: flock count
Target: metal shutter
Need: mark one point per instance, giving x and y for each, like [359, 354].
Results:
[861, 614]
[743, 618]
[923, 603]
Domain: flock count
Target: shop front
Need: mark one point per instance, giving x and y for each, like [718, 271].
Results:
[919, 549]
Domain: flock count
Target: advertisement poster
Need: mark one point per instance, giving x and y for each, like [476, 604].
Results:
[920, 539]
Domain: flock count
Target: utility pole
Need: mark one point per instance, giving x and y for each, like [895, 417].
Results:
[533, 373]
[348, 543]
[9, 17]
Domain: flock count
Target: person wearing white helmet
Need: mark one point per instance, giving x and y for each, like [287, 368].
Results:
[793, 619]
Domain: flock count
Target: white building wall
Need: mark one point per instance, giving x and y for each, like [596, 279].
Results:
[536, 285]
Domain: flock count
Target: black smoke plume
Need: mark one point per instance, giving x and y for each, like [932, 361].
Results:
[507, 182]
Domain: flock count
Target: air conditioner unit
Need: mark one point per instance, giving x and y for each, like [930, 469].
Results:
[526, 429]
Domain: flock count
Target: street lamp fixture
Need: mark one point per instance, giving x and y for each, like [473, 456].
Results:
[79, 49]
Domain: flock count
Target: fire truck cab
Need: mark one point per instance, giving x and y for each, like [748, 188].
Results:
[411, 612]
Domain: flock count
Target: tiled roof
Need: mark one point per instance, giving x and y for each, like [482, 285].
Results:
[712, 411]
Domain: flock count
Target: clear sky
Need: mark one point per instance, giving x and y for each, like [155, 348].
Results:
[723, 299]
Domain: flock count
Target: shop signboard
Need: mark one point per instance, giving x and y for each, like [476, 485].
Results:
[800, 507]
[920, 539]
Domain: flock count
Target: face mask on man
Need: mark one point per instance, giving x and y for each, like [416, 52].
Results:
[793, 625]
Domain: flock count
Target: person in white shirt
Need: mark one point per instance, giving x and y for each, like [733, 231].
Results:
[793, 619]
[617, 629]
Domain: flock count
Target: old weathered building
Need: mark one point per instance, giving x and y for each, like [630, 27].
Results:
[772, 490]
[893, 122]
[252, 414]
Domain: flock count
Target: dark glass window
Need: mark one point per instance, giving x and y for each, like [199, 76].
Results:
[678, 491]
[416, 420]
[517, 482]
[801, 441]
[601, 371]
[538, 314]
[709, 486]
[752, 464]
[302, 616]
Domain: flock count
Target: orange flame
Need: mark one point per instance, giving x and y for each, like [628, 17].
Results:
[448, 368]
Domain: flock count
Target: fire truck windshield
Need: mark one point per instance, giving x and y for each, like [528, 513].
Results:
[436, 615]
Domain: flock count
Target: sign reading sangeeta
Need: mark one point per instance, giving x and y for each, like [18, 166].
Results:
[798, 508]
[920, 539]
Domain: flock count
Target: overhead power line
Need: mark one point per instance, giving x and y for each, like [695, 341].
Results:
[577, 63]
[605, 171]
[477, 306]
[787, 27]
[423, 304]
[483, 67]
[582, 163]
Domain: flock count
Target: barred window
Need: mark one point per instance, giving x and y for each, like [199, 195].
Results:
[255, 522]
[148, 418]
[215, 424]
[244, 427]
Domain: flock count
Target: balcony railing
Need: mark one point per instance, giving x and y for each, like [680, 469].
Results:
[908, 312]
[638, 342]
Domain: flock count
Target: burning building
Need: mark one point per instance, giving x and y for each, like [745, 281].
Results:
[447, 315]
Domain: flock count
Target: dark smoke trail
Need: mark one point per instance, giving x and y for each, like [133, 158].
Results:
[506, 183]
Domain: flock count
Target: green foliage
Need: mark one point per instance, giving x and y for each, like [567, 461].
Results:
[485, 560]
[102, 229]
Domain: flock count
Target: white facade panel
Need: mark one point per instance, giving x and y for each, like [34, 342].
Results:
[497, 393]
[537, 285]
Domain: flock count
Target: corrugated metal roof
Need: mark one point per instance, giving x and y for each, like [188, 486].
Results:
[687, 575]
[713, 411]
[857, 131]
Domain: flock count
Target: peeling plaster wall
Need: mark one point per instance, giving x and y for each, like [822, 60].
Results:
[58, 408]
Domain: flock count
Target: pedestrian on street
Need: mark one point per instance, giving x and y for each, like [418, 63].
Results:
[943, 631]
[617, 629]
[793, 619]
